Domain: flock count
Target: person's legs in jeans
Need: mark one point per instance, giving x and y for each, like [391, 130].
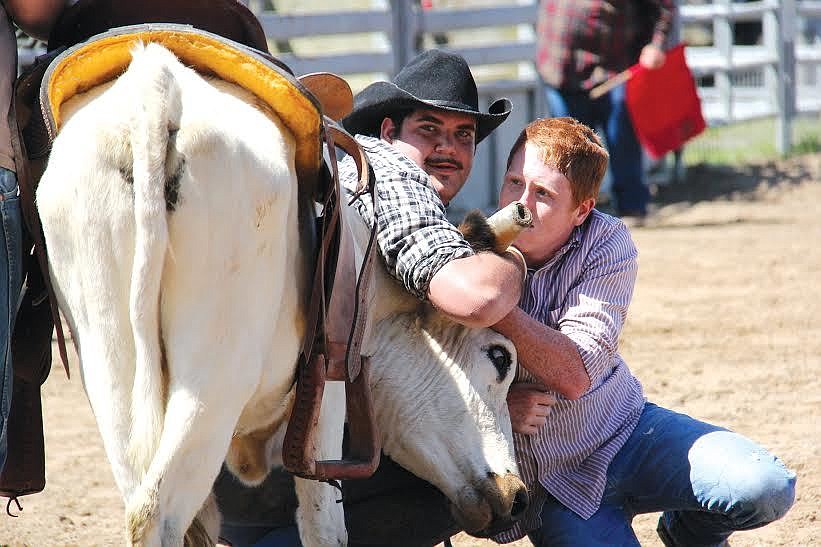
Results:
[709, 481]
[574, 104]
[10, 283]
[629, 188]
[610, 119]
[561, 527]
[243, 535]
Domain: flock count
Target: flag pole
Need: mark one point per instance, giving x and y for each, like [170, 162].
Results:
[616, 80]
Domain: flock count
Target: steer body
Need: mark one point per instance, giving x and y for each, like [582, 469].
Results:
[169, 207]
[172, 219]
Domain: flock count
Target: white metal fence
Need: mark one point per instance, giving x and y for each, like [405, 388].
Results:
[365, 40]
[775, 77]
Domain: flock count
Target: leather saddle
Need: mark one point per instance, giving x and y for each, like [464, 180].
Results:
[308, 106]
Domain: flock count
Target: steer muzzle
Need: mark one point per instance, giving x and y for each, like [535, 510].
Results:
[492, 506]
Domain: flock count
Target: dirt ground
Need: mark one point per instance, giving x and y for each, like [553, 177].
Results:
[724, 326]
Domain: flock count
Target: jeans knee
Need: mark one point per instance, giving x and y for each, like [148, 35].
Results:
[770, 495]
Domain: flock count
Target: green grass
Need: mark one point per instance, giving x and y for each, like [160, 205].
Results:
[752, 141]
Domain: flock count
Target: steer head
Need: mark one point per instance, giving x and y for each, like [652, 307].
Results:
[440, 394]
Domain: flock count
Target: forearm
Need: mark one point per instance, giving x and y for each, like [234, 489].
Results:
[546, 353]
[479, 290]
[664, 23]
[35, 17]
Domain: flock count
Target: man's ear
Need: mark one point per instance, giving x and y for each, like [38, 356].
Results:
[583, 210]
[387, 131]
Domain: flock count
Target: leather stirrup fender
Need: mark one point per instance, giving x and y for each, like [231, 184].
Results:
[335, 358]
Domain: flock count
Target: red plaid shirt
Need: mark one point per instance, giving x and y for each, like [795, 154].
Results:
[584, 42]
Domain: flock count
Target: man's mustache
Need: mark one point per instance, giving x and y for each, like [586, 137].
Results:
[440, 160]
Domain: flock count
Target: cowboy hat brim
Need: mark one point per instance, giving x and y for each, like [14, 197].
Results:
[380, 99]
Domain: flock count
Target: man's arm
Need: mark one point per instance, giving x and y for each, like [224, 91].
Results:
[424, 251]
[652, 54]
[549, 355]
[477, 290]
[35, 17]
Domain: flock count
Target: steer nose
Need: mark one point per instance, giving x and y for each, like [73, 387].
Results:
[520, 503]
[513, 500]
[514, 497]
[492, 506]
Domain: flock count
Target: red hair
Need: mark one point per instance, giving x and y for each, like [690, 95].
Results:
[570, 147]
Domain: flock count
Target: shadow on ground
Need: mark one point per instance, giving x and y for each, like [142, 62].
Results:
[707, 182]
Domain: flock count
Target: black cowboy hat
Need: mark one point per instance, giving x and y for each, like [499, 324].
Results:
[432, 79]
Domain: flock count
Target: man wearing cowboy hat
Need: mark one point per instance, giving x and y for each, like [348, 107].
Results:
[420, 133]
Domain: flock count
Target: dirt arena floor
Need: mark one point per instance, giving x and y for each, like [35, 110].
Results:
[724, 326]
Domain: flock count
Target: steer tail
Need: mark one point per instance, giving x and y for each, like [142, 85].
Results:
[155, 92]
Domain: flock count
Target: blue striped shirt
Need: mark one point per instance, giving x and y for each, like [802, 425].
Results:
[583, 292]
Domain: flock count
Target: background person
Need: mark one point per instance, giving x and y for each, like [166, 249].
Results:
[582, 45]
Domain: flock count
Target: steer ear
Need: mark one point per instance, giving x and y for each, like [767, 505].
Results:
[478, 232]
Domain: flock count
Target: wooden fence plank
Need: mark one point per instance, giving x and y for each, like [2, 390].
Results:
[448, 20]
[352, 63]
[284, 27]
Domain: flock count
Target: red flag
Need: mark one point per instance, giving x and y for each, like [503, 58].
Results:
[663, 104]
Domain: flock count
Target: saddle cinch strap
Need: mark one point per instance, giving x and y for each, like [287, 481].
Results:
[106, 56]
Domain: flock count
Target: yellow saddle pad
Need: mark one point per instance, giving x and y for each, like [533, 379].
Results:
[106, 56]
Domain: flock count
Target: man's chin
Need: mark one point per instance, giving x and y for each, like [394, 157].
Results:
[446, 185]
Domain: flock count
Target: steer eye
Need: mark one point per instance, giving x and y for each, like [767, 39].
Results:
[500, 358]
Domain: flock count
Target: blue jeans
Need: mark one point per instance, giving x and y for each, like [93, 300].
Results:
[10, 284]
[609, 115]
[708, 481]
[241, 535]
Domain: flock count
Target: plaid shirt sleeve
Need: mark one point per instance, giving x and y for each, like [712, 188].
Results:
[663, 25]
[414, 235]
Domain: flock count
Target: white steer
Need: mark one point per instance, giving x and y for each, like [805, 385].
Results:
[169, 208]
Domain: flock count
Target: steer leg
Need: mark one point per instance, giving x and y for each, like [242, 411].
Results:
[107, 382]
[90, 259]
[199, 420]
[320, 518]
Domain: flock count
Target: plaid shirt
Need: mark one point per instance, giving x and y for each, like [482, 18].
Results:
[415, 237]
[582, 43]
[583, 292]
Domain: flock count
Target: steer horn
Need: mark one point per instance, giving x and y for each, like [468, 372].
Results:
[508, 223]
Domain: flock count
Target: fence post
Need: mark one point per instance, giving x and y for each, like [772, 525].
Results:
[405, 40]
[771, 39]
[786, 69]
[723, 42]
